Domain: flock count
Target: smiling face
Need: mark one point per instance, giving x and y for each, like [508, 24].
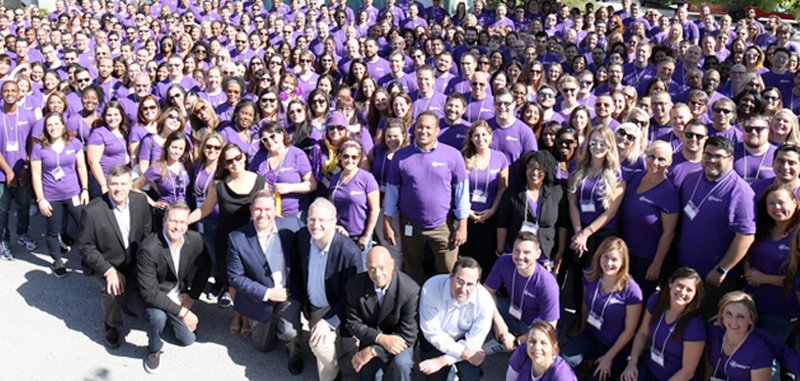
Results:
[463, 283]
[540, 349]
[736, 318]
[176, 150]
[176, 222]
[781, 206]
[524, 255]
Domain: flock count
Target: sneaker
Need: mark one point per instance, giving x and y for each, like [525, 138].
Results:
[152, 361]
[5, 251]
[493, 346]
[225, 300]
[26, 241]
[59, 270]
[64, 247]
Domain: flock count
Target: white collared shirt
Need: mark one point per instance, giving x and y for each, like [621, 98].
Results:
[122, 213]
[273, 251]
[175, 253]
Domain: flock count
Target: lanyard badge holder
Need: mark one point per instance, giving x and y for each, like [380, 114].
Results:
[587, 206]
[594, 319]
[657, 356]
[528, 226]
[513, 310]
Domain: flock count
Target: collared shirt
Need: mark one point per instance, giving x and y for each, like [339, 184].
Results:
[381, 292]
[175, 253]
[317, 262]
[271, 246]
[451, 326]
[123, 215]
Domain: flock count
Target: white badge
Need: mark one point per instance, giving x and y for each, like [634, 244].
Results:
[200, 200]
[716, 379]
[409, 230]
[58, 173]
[515, 312]
[478, 196]
[326, 182]
[127, 158]
[12, 146]
[691, 210]
[76, 201]
[587, 206]
[528, 226]
[657, 357]
[595, 320]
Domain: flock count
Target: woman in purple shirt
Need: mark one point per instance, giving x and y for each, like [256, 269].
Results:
[108, 146]
[537, 359]
[306, 77]
[82, 123]
[734, 352]
[60, 182]
[242, 130]
[777, 216]
[355, 193]
[151, 146]
[202, 179]
[380, 159]
[168, 175]
[612, 305]
[672, 335]
[147, 124]
[630, 149]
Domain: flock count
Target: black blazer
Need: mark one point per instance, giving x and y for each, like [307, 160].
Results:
[249, 272]
[157, 274]
[344, 262]
[396, 316]
[553, 213]
[100, 240]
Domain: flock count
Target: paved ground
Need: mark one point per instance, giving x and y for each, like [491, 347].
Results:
[52, 330]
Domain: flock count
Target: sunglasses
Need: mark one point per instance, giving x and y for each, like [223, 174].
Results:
[598, 144]
[349, 157]
[694, 135]
[270, 100]
[83, 80]
[234, 159]
[751, 129]
[212, 147]
[626, 136]
[338, 128]
[566, 143]
[546, 95]
[149, 108]
[722, 111]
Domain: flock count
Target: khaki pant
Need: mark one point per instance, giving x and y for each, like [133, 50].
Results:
[333, 348]
[437, 239]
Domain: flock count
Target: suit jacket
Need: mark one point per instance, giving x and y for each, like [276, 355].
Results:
[396, 316]
[100, 240]
[250, 274]
[157, 274]
[344, 260]
[553, 213]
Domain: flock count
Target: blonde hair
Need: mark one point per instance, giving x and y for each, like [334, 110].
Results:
[794, 133]
[623, 275]
[610, 173]
[739, 297]
[635, 151]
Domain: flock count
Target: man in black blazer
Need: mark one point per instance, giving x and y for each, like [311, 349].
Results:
[327, 260]
[382, 314]
[112, 226]
[260, 263]
[166, 259]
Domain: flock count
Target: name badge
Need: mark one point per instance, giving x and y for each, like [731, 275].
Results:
[58, 173]
[691, 210]
[528, 226]
[595, 320]
[478, 196]
[657, 357]
[716, 379]
[200, 200]
[409, 230]
[587, 207]
[515, 312]
[326, 182]
[12, 146]
[76, 201]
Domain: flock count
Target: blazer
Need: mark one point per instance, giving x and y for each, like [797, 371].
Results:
[553, 213]
[397, 315]
[100, 240]
[157, 274]
[344, 260]
[249, 272]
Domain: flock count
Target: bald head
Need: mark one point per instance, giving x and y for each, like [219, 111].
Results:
[380, 266]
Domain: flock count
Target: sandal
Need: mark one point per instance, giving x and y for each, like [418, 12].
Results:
[245, 327]
[236, 325]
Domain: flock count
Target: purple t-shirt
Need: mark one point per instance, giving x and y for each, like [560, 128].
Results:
[202, 182]
[537, 296]
[170, 184]
[681, 168]
[77, 125]
[379, 68]
[642, 215]
[725, 207]
[67, 185]
[150, 149]
[611, 308]
[115, 148]
[416, 173]
[590, 192]
[663, 340]
[751, 355]
[16, 129]
[521, 363]
[434, 103]
[293, 168]
[351, 201]
[476, 110]
[753, 167]
[483, 182]
[770, 257]
[138, 133]
[453, 135]
[513, 140]
[231, 135]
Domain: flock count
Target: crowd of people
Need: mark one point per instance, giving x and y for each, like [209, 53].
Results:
[423, 188]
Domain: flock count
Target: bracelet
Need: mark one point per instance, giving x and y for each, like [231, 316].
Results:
[184, 314]
[84, 189]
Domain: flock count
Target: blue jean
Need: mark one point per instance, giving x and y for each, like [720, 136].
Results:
[207, 229]
[465, 370]
[22, 195]
[781, 327]
[157, 320]
[61, 209]
[586, 346]
[515, 326]
[403, 364]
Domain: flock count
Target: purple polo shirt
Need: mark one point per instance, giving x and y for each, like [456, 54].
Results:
[753, 167]
[351, 201]
[379, 68]
[68, 185]
[537, 296]
[294, 167]
[590, 190]
[642, 215]
[77, 125]
[663, 339]
[483, 182]
[521, 363]
[16, 130]
[171, 186]
[416, 173]
[752, 354]
[231, 135]
[725, 208]
[681, 168]
[434, 103]
[115, 148]
[479, 109]
[513, 140]
[770, 257]
[610, 308]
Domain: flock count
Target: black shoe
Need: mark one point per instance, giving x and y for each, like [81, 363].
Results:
[64, 247]
[152, 361]
[296, 365]
[67, 239]
[112, 337]
[59, 270]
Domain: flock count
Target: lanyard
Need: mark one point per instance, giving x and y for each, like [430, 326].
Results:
[16, 131]
[721, 353]
[758, 170]
[664, 345]
[488, 170]
[596, 290]
[277, 170]
[528, 203]
[513, 284]
[696, 184]
[202, 192]
[594, 186]
[176, 184]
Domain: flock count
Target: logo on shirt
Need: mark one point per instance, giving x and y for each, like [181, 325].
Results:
[783, 247]
[511, 139]
[646, 200]
[70, 151]
[714, 198]
[494, 171]
[285, 169]
[734, 364]
[614, 300]
[528, 294]
[356, 193]
[437, 164]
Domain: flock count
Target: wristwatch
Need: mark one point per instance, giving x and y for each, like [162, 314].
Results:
[721, 270]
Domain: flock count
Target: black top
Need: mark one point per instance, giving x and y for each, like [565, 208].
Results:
[234, 208]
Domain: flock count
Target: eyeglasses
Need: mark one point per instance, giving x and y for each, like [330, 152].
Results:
[546, 95]
[713, 157]
[598, 144]
[656, 159]
[83, 80]
[234, 159]
[172, 116]
[722, 111]
[337, 128]
[270, 100]
[694, 135]
[503, 104]
[771, 98]
[626, 136]
[565, 142]
[752, 129]
[349, 157]
[149, 108]
[212, 147]
[534, 169]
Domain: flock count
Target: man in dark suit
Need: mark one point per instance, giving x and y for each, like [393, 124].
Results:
[112, 226]
[382, 314]
[327, 260]
[166, 258]
[260, 261]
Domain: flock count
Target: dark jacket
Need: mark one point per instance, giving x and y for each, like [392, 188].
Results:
[396, 316]
[552, 213]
